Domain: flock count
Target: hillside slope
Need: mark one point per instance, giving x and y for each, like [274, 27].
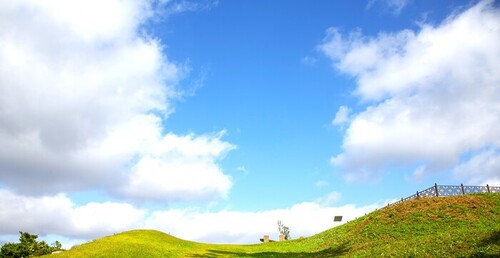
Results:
[436, 227]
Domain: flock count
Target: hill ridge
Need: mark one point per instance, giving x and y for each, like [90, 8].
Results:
[467, 225]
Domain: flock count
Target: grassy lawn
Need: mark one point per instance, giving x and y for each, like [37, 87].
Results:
[460, 226]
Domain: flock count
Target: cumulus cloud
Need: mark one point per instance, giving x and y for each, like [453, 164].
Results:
[483, 168]
[180, 168]
[84, 91]
[58, 215]
[433, 95]
[303, 219]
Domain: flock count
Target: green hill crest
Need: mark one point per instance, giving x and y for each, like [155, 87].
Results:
[463, 226]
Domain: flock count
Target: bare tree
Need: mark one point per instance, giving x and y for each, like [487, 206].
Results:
[285, 231]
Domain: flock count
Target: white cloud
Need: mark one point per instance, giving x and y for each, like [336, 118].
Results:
[83, 95]
[322, 183]
[180, 168]
[481, 169]
[308, 60]
[303, 219]
[58, 215]
[342, 116]
[243, 170]
[395, 6]
[434, 94]
[329, 199]
[102, 218]
[189, 6]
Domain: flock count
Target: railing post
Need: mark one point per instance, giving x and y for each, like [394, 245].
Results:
[436, 188]
[462, 186]
[488, 187]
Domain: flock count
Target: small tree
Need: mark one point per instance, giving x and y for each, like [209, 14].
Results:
[285, 231]
[28, 246]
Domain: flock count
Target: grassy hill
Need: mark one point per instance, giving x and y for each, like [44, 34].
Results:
[462, 226]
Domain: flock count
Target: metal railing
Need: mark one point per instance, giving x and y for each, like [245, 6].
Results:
[450, 190]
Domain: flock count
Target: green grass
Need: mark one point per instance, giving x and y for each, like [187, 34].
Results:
[461, 226]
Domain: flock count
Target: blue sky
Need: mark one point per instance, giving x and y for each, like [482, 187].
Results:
[230, 115]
